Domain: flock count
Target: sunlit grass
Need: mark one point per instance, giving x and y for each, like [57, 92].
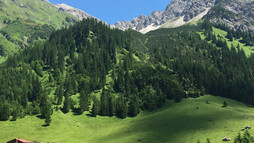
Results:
[175, 122]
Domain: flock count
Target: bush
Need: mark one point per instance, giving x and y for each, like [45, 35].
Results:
[225, 104]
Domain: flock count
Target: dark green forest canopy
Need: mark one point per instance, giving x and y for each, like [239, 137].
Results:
[129, 70]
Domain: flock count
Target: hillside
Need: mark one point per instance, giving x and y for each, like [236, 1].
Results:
[92, 75]
[120, 72]
[175, 122]
[22, 22]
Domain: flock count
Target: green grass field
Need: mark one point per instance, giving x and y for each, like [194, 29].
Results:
[174, 123]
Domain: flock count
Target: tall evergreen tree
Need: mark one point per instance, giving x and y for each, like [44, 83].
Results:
[121, 108]
[133, 109]
[66, 106]
[104, 106]
[83, 101]
[111, 105]
[96, 107]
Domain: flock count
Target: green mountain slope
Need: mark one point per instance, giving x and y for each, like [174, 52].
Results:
[90, 68]
[24, 21]
[175, 122]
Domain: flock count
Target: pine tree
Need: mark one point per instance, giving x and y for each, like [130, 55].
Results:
[238, 138]
[83, 101]
[133, 109]
[4, 111]
[48, 119]
[104, 106]
[15, 113]
[121, 108]
[127, 83]
[229, 36]
[59, 94]
[96, 107]
[66, 107]
[247, 138]
[36, 91]
[208, 141]
[46, 109]
[111, 106]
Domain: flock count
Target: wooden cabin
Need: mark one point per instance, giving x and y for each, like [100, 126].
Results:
[18, 140]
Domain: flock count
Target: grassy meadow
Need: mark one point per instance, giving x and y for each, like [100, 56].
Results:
[221, 33]
[185, 122]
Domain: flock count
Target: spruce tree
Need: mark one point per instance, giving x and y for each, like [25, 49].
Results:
[48, 119]
[104, 106]
[59, 94]
[238, 138]
[208, 140]
[133, 109]
[96, 107]
[66, 107]
[111, 106]
[121, 108]
[83, 101]
[4, 111]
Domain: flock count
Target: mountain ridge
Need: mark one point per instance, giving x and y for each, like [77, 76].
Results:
[80, 14]
[176, 9]
[241, 15]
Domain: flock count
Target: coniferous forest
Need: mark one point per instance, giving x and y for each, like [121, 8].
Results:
[130, 72]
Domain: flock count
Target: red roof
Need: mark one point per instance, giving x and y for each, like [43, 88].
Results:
[23, 141]
[19, 141]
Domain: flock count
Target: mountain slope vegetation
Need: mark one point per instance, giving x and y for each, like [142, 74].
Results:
[94, 69]
[93, 62]
[22, 22]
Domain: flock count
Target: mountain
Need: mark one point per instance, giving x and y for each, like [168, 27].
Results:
[75, 12]
[89, 69]
[25, 21]
[237, 14]
[177, 13]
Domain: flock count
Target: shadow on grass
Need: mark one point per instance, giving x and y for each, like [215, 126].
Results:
[76, 111]
[251, 106]
[40, 117]
[168, 127]
[89, 115]
[45, 125]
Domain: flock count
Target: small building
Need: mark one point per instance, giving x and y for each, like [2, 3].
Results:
[18, 140]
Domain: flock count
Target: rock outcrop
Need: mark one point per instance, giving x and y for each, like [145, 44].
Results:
[74, 11]
[237, 14]
[188, 9]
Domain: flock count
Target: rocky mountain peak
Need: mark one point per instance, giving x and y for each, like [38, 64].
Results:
[74, 11]
[188, 9]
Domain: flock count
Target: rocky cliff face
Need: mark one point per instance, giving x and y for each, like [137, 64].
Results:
[71, 10]
[187, 9]
[237, 14]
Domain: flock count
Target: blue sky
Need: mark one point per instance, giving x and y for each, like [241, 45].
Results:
[116, 10]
